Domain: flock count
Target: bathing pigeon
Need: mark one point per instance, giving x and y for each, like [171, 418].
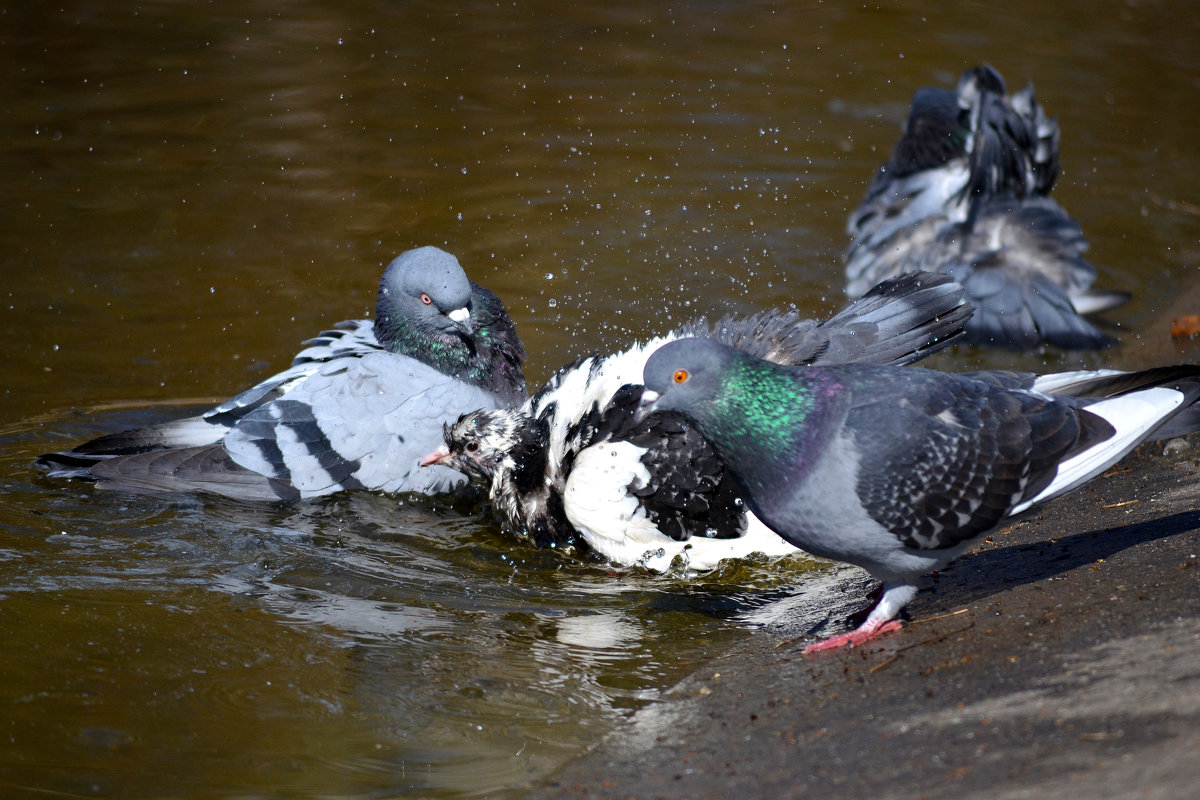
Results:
[898, 470]
[966, 192]
[571, 467]
[356, 410]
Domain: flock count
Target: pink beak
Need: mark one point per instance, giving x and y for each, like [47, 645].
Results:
[436, 457]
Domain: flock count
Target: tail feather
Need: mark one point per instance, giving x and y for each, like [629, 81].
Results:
[67, 464]
[1130, 408]
[1014, 146]
[186, 470]
[1025, 310]
[189, 432]
[1093, 301]
[1101, 384]
[1133, 418]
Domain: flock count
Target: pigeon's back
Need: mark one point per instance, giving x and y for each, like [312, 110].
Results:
[966, 192]
[356, 409]
[358, 423]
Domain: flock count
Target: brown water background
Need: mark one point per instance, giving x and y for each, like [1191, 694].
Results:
[191, 190]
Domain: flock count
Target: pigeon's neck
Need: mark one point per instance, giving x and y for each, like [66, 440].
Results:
[496, 365]
[490, 358]
[526, 500]
[495, 361]
[518, 467]
[446, 352]
[770, 416]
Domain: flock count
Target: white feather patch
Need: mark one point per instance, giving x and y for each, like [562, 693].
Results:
[613, 523]
[1058, 381]
[1133, 416]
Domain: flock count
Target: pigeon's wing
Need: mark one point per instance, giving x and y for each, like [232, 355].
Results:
[1022, 266]
[628, 528]
[944, 458]
[186, 469]
[350, 339]
[355, 424]
[597, 502]
[899, 221]
[899, 321]
[684, 485]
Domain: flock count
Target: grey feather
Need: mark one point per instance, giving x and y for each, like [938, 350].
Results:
[669, 494]
[357, 408]
[966, 192]
[895, 469]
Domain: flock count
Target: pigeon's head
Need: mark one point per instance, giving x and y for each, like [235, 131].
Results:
[479, 444]
[684, 375]
[425, 291]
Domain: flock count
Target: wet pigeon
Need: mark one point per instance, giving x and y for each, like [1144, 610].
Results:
[571, 467]
[356, 409]
[966, 192]
[899, 469]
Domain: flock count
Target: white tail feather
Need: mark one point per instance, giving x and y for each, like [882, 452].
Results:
[1133, 416]
[1057, 381]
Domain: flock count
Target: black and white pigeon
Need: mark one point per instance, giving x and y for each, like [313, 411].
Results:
[898, 470]
[571, 467]
[356, 410]
[966, 192]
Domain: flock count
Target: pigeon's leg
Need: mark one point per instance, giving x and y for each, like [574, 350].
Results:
[882, 619]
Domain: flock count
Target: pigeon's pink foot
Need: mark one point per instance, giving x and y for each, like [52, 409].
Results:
[855, 637]
[882, 619]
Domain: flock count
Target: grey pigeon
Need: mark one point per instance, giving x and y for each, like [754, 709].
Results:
[898, 470]
[356, 410]
[966, 192]
[571, 466]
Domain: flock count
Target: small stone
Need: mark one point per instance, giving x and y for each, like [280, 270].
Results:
[1176, 446]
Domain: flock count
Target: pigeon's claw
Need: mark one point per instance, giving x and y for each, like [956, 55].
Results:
[854, 638]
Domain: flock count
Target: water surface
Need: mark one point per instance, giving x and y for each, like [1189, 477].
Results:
[191, 191]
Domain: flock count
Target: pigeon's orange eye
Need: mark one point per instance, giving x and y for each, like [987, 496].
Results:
[426, 299]
[680, 376]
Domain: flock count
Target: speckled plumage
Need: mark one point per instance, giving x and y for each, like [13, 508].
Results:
[355, 410]
[966, 192]
[574, 467]
[896, 469]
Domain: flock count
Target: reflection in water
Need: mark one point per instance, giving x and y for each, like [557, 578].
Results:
[190, 193]
[398, 645]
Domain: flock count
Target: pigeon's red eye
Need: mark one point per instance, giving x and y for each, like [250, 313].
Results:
[426, 299]
[472, 447]
[680, 376]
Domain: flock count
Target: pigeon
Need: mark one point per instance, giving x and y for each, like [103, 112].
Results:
[356, 409]
[898, 470]
[571, 468]
[966, 192]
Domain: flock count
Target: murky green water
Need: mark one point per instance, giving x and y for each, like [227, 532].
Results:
[192, 190]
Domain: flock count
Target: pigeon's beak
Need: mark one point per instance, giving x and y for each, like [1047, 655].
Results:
[646, 405]
[461, 317]
[436, 457]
